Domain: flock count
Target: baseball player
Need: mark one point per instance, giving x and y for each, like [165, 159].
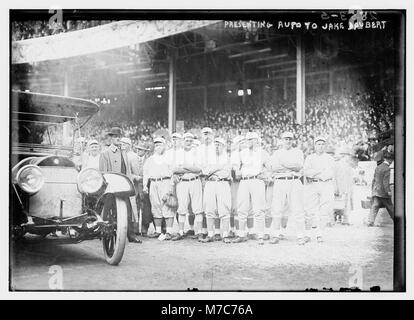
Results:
[189, 189]
[217, 193]
[206, 154]
[267, 177]
[251, 192]
[286, 166]
[237, 145]
[158, 171]
[343, 182]
[174, 155]
[318, 170]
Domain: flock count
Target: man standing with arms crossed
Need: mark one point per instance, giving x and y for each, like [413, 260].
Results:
[206, 154]
[238, 143]
[318, 170]
[189, 188]
[217, 193]
[253, 162]
[286, 165]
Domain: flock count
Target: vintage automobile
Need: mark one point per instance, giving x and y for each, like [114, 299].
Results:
[49, 195]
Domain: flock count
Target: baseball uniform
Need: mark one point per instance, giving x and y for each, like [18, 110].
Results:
[287, 189]
[319, 190]
[251, 192]
[189, 188]
[217, 193]
[157, 170]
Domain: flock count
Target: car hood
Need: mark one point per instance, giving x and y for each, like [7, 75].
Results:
[43, 161]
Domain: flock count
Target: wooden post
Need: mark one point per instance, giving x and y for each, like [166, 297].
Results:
[300, 80]
[172, 92]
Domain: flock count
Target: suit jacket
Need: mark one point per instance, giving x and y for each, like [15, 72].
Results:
[381, 181]
[343, 176]
[110, 161]
[134, 164]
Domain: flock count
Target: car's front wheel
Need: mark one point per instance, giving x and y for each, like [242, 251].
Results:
[115, 212]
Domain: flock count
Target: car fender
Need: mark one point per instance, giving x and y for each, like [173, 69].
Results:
[119, 185]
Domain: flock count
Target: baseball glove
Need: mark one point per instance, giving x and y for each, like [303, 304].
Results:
[170, 200]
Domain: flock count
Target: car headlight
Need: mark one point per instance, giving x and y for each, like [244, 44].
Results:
[30, 179]
[90, 181]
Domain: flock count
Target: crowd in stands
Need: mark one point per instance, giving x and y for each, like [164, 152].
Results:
[353, 120]
[22, 30]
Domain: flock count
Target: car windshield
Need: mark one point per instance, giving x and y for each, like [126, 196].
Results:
[44, 133]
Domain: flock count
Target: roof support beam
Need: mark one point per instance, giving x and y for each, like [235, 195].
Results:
[97, 39]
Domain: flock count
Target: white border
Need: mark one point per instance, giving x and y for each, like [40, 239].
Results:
[187, 4]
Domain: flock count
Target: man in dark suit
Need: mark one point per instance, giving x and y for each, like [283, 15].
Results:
[113, 159]
[381, 191]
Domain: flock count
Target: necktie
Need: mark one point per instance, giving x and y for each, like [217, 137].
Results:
[123, 165]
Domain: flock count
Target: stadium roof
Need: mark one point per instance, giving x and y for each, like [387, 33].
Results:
[207, 53]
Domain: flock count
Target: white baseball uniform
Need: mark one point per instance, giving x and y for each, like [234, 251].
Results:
[319, 190]
[189, 188]
[157, 169]
[251, 192]
[287, 189]
[217, 193]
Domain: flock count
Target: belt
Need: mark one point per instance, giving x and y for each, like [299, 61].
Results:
[160, 179]
[249, 178]
[316, 180]
[191, 179]
[287, 178]
[222, 179]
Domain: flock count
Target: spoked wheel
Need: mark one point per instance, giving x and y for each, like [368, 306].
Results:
[114, 237]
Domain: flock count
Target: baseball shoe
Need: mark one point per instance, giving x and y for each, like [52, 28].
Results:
[303, 241]
[200, 237]
[167, 236]
[226, 240]
[274, 240]
[207, 239]
[319, 239]
[239, 239]
[370, 224]
[217, 237]
[266, 237]
[251, 236]
[260, 241]
[282, 237]
[154, 235]
[135, 240]
[177, 236]
[231, 234]
[189, 233]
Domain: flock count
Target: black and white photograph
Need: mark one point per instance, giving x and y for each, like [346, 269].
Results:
[207, 151]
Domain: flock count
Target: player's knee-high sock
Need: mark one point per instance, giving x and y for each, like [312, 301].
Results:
[204, 230]
[225, 226]
[158, 222]
[217, 226]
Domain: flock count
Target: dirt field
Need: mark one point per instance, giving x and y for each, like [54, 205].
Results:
[165, 265]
